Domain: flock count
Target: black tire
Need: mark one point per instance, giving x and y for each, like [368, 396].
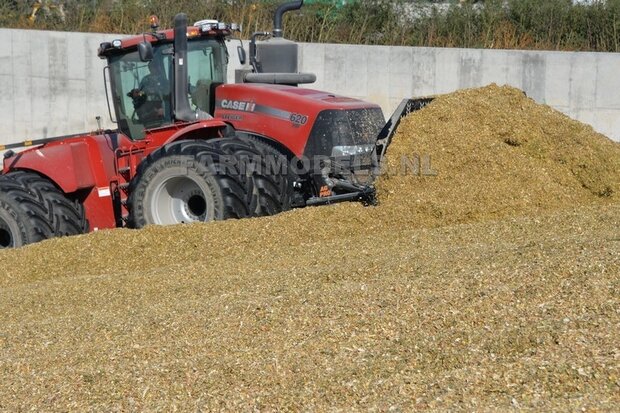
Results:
[266, 171]
[23, 218]
[186, 181]
[66, 216]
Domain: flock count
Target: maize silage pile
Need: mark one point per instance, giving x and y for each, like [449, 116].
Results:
[493, 285]
[496, 153]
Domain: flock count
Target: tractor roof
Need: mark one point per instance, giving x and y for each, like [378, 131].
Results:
[203, 28]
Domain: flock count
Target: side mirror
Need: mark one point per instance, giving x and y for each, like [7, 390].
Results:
[241, 54]
[145, 51]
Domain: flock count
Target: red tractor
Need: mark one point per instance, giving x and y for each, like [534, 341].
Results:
[189, 147]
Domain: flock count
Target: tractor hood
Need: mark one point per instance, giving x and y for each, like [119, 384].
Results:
[289, 115]
[289, 97]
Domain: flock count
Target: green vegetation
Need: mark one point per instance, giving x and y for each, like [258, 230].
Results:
[507, 24]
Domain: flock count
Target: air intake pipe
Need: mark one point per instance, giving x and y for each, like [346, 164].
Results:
[182, 109]
[277, 18]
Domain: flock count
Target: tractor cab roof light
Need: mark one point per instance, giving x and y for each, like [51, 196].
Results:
[117, 43]
[206, 25]
[154, 22]
[193, 32]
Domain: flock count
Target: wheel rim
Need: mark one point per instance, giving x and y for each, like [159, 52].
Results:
[6, 237]
[179, 200]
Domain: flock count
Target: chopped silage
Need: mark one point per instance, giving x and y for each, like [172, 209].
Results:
[496, 153]
[490, 286]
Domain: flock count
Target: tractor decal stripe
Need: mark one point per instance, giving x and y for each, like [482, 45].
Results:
[242, 106]
[275, 112]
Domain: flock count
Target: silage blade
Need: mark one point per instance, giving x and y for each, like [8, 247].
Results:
[404, 108]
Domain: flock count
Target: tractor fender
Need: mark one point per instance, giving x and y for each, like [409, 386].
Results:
[204, 129]
[66, 165]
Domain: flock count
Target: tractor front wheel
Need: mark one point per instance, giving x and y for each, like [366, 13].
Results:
[23, 218]
[187, 181]
[267, 174]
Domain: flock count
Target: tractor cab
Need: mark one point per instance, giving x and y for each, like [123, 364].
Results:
[152, 86]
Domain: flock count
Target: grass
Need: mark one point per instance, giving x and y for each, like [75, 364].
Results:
[516, 24]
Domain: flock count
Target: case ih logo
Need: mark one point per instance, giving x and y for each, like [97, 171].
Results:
[238, 105]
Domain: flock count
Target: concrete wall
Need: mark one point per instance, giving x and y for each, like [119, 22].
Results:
[51, 83]
[585, 86]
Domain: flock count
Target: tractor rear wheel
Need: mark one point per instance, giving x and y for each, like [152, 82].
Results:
[23, 218]
[265, 169]
[187, 181]
[66, 216]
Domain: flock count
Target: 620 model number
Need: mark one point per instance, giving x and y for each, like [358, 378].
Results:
[298, 119]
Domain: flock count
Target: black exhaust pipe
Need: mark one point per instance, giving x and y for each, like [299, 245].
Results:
[182, 109]
[277, 18]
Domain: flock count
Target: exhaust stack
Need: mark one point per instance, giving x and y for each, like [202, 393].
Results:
[275, 60]
[277, 18]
